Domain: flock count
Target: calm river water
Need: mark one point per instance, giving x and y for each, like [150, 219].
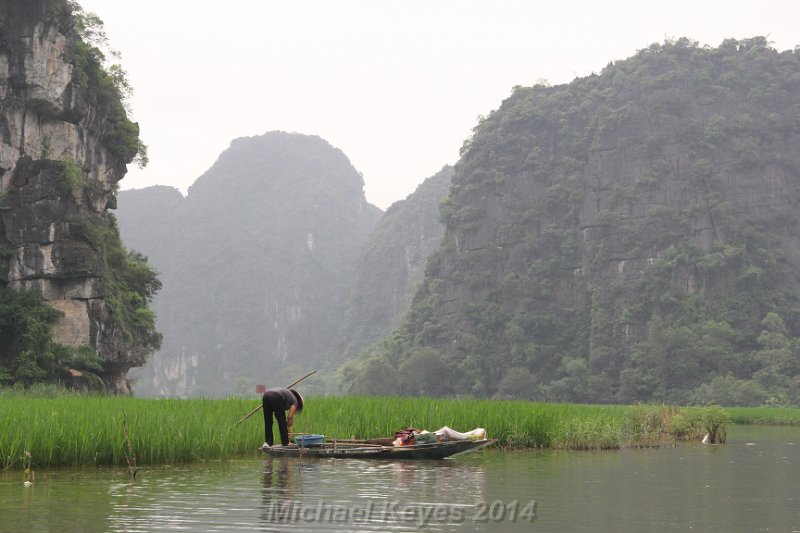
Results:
[750, 484]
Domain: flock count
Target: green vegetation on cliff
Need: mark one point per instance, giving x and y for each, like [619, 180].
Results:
[130, 282]
[28, 354]
[631, 236]
[106, 86]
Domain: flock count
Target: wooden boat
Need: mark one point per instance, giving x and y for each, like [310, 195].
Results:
[378, 450]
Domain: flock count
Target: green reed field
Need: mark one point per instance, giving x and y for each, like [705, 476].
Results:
[79, 430]
[772, 416]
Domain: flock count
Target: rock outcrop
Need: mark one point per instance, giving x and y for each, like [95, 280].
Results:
[62, 153]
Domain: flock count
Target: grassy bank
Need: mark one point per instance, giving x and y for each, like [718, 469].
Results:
[93, 430]
[74, 430]
[773, 416]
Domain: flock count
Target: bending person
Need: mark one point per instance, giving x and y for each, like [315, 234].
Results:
[283, 404]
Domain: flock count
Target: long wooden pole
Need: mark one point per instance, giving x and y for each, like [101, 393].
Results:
[254, 411]
[301, 379]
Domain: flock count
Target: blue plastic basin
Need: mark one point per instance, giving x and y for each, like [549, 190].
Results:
[305, 441]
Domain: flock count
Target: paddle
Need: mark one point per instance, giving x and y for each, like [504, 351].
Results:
[254, 411]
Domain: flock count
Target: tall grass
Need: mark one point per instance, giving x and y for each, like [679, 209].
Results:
[88, 430]
[514, 423]
[75, 430]
[775, 416]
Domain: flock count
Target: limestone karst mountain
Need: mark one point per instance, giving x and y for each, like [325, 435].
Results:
[630, 236]
[66, 140]
[256, 263]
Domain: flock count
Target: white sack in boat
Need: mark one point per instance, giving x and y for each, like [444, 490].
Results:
[445, 433]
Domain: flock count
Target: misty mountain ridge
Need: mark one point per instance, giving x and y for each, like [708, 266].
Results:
[256, 263]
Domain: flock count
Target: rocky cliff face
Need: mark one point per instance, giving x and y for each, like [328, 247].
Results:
[602, 235]
[256, 263]
[59, 165]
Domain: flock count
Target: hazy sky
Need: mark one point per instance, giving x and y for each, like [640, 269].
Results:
[397, 86]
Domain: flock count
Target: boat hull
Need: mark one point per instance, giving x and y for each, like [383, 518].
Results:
[439, 450]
